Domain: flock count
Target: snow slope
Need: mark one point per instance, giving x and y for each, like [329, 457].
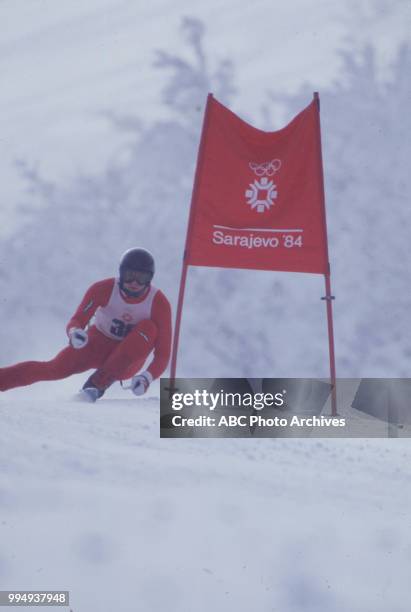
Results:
[91, 500]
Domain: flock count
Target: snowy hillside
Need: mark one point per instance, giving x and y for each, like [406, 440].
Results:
[91, 500]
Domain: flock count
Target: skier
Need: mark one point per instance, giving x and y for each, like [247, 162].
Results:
[132, 319]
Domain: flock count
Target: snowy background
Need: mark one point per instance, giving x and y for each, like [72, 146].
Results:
[101, 109]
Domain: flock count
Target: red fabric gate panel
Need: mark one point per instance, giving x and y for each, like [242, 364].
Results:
[258, 199]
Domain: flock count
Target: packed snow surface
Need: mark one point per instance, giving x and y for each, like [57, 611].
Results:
[94, 502]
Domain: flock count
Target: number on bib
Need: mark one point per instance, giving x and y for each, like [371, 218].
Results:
[120, 329]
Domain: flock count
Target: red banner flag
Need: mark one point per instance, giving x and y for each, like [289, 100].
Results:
[258, 199]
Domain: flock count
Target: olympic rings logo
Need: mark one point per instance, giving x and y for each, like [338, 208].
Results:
[266, 168]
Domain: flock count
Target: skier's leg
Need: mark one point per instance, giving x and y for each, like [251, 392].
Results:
[133, 368]
[129, 355]
[29, 372]
[69, 361]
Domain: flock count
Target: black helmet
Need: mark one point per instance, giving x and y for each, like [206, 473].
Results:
[138, 260]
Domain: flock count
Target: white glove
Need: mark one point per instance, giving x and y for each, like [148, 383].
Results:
[141, 382]
[78, 337]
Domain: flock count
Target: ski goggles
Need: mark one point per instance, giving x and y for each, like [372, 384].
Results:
[143, 278]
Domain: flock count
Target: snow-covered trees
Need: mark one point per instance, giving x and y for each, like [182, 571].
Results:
[72, 234]
[365, 123]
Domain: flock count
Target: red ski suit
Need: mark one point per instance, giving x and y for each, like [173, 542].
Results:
[124, 333]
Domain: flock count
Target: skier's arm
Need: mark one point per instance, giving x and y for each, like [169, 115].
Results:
[161, 316]
[97, 295]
